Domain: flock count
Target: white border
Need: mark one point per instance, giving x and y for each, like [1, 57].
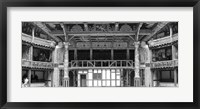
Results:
[184, 93]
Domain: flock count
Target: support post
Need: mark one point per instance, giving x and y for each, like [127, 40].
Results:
[127, 54]
[112, 54]
[29, 77]
[33, 34]
[147, 59]
[173, 47]
[75, 54]
[175, 77]
[55, 78]
[116, 26]
[137, 79]
[86, 26]
[31, 53]
[66, 65]
[91, 53]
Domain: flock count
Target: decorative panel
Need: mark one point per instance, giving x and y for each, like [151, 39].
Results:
[101, 44]
[164, 64]
[83, 45]
[120, 45]
[125, 28]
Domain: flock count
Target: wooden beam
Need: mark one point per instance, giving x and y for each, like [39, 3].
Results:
[142, 32]
[138, 31]
[158, 27]
[66, 34]
[132, 37]
[64, 31]
[46, 30]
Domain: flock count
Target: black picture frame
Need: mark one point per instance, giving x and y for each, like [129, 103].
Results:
[99, 3]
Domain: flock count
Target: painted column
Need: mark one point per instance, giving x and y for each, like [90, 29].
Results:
[66, 65]
[147, 71]
[55, 81]
[137, 81]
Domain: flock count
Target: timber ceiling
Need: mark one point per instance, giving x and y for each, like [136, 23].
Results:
[103, 31]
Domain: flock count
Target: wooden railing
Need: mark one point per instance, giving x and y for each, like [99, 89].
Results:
[37, 64]
[26, 37]
[38, 41]
[164, 64]
[100, 64]
[78, 64]
[164, 40]
[26, 63]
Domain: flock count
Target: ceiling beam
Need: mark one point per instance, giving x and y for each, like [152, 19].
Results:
[158, 27]
[142, 32]
[44, 28]
[65, 32]
[132, 37]
[138, 31]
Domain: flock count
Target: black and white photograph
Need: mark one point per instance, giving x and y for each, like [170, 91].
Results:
[99, 54]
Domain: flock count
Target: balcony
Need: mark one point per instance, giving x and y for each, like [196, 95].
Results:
[38, 41]
[37, 64]
[81, 64]
[164, 64]
[164, 40]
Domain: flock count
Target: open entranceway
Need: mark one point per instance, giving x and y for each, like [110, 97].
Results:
[83, 80]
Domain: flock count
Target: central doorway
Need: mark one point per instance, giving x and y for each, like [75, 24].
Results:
[83, 80]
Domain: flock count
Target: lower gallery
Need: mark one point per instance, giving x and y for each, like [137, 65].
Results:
[99, 54]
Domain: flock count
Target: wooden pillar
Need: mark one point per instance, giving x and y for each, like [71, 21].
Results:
[170, 31]
[147, 59]
[173, 56]
[112, 54]
[173, 47]
[29, 77]
[33, 34]
[116, 26]
[79, 79]
[127, 54]
[127, 77]
[91, 53]
[66, 63]
[75, 54]
[74, 78]
[137, 79]
[55, 75]
[86, 26]
[31, 53]
[49, 79]
[175, 77]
